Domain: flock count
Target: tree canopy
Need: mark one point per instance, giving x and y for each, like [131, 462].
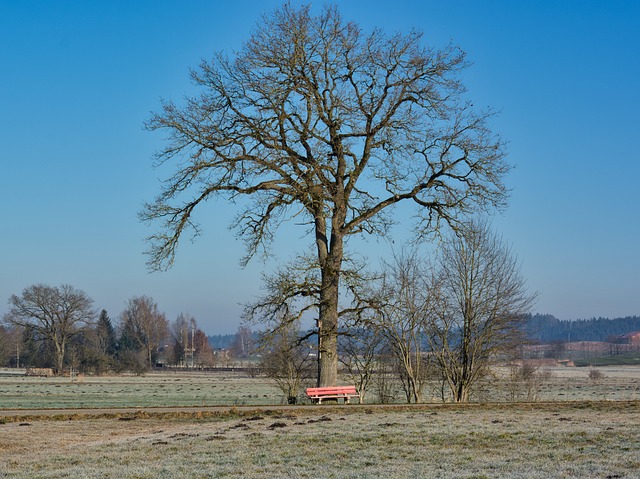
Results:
[315, 120]
[54, 313]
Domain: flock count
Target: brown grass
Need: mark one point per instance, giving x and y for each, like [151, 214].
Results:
[586, 429]
[542, 440]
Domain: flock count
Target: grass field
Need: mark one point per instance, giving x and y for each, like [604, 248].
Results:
[562, 440]
[229, 389]
[165, 389]
[630, 359]
[580, 428]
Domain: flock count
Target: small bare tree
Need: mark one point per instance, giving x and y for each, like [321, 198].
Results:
[184, 330]
[525, 381]
[53, 314]
[385, 379]
[405, 302]
[595, 375]
[481, 306]
[287, 359]
[360, 350]
[243, 344]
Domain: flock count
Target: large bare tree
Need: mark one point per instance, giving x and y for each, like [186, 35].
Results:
[314, 119]
[54, 314]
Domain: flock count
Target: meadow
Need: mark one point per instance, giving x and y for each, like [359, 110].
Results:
[253, 435]
[561, 440]
[179, 389]
[149, 390]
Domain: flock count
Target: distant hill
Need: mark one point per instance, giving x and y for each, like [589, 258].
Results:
[545, 328]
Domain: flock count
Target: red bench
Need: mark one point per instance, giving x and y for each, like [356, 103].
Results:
[333, 392]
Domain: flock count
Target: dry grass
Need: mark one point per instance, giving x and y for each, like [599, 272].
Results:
[590, 431]
[564, 440]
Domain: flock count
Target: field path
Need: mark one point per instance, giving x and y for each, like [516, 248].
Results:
[13, 415]
[188, 411]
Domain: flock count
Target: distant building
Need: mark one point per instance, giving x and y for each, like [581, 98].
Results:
[629, 338]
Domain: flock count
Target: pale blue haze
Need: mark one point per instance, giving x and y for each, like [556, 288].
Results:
[79, 78]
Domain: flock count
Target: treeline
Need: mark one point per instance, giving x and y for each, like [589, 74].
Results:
[545, 328]
[58, 328]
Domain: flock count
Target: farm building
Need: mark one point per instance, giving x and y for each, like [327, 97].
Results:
[629, 338]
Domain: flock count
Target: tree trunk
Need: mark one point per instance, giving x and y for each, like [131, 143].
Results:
[60, 347]
[328, 329]
[330, 255]
[462, 394]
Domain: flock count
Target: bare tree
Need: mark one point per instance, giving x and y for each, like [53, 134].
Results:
[481, 307]
[287, 359]
[143, 327]
[204, 355]
[315, 120]
[190, 344]
[405, 299]
[53, 314]
[182, 332]
[385, 380]
[243, 344]
[360, 349]
[525, 381]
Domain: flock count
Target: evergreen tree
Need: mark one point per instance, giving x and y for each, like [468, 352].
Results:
[107, 340]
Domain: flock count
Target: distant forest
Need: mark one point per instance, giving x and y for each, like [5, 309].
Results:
[540, 328]
[545, 328]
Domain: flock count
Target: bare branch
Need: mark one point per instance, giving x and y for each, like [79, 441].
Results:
[316, 120]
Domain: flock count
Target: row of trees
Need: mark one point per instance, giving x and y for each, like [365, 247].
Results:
[446, 321]
[58, 327]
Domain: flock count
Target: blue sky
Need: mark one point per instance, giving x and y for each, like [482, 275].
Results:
[79, 78]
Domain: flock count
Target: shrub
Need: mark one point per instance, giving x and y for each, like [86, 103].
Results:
[596, 375]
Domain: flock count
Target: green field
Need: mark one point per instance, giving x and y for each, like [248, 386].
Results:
[151, 390]
[632, 359]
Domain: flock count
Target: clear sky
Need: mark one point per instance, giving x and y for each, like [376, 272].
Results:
[79, 78]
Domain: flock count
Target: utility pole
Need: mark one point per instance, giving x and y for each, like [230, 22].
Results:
[319, 323]
[193, 345]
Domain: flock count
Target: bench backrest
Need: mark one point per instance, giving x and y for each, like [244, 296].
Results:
[332, 390]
